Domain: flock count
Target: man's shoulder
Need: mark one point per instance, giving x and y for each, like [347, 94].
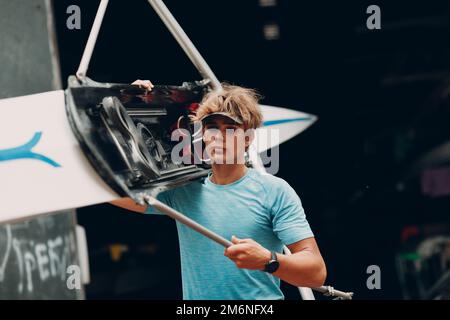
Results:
[268, 181]
[276, 190]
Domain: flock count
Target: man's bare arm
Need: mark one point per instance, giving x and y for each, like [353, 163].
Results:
[305, 267]
[129, 204]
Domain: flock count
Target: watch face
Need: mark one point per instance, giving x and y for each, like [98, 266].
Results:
[272, 266]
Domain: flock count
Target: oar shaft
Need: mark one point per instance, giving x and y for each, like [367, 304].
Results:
[178, 216]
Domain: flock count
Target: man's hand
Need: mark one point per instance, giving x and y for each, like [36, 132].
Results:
[247, 254]
[146, 84]
[303, 268]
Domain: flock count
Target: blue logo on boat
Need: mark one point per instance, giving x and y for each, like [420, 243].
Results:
[25, 152]
[280, 121]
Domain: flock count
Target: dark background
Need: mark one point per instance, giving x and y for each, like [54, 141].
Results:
[382, 101]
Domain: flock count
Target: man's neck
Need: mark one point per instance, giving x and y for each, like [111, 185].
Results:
[227, 173]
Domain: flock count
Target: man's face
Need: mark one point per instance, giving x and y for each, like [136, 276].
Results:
[225, 140]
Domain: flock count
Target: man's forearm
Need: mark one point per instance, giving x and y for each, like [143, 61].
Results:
[301, 269]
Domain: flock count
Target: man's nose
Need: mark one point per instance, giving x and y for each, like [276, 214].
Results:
[219, 135]
[219, 138]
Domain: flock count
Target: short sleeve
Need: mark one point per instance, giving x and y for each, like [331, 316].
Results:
[288, 217]
[164, 197]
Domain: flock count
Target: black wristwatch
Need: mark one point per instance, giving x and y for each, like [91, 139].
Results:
[273, 263]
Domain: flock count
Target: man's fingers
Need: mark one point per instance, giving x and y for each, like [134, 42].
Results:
[229, 252]
[232, 251]
[138, 82]
[234, 239]
[237, 240]
[147, 84]
[235, 256]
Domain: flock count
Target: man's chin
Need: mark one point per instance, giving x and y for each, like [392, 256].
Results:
[221, 159]
[218, 159]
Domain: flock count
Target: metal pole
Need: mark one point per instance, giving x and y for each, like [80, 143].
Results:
[186, 43]
[187, 221]
[87, 54]
[331, 292]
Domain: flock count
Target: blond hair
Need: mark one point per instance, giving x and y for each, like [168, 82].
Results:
[238, 101]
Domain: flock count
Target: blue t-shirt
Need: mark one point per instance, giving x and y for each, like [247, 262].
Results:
[259, 206]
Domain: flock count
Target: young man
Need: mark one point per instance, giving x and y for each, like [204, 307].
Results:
[258, 212]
